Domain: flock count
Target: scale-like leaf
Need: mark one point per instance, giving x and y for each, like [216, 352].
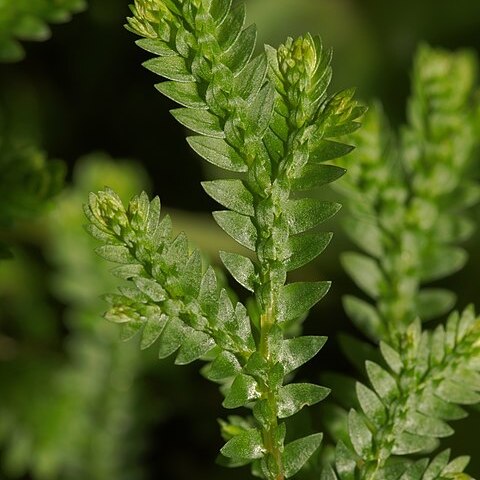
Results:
[243, 327]
[224, 366]
[365, 233]
[305, 247]
[115, 253]
[420, 424]
[295, 396]
[455, 392]
[195, 345]
[327, 150]
[231, 27]
[383, 383]
[191, 276]
[294, 352]
[364, 272]
[185, 94]
[328, 473]
[208, 295]
[241, 268]
[251, 79]
[416, 470]
[442, 261]
[456, 466]
[219, 9]
[260, 111]
[434, 406]
[171, 338]
[246, 445]
[127, 272]
[239, 227]
[358, 351]
[437, 465]
[408, 443]
[151, 288]
[371, 405]
[360, 435]
[155, 46]
[364, 316]
[314, 176]
[200, 121]
[243, 390]
[218, 152]
[298, 452]
[238, 55]
[153, 329]
[172, 67]
[345, 462]
[307, 213]
[297, 298]
[392, 357]
[98, 234]
[177, 253]
[433, 302]
[232, 194]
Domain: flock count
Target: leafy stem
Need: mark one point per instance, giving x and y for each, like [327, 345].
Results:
[270, 431]
[269, 120]
[408, 198]
[420, 392]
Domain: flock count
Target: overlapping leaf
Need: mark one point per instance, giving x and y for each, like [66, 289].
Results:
[410, 399]
[440, 468]
[407, 201]
[169, 297]
[268, 119]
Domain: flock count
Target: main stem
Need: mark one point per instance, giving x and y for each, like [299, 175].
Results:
[267, 320]
[411, 389]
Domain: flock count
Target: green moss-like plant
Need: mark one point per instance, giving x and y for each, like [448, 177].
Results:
[269, 120]
[408, 197]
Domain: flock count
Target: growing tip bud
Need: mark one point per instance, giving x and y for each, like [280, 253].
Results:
[297, 58]
[147, 17]
[108, 211]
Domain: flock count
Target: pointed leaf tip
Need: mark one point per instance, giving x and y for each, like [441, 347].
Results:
[298, 452]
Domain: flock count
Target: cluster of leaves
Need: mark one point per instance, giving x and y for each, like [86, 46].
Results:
[28, 20]
[407, 202]
[269, 120]
[70, 414]
[413, 393]
[65, 412]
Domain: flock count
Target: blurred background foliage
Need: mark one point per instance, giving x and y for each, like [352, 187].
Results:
[75, 403]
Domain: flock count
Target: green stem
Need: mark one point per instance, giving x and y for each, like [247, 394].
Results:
[270, 432]
[411, 388]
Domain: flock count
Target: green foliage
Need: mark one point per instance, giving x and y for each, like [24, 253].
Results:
[28, 181]
[171, 292]
[413, 397]
[407, 202]
[28, 20]
[440, 468]
[408, 198]
[69, 415]
[266, 117]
